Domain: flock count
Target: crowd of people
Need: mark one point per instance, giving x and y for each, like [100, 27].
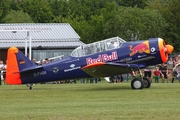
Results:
[167, 72]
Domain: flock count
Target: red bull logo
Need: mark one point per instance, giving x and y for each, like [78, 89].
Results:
[142, 47]
[102, 58]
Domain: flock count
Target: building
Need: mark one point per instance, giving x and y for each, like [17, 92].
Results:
[48, 39]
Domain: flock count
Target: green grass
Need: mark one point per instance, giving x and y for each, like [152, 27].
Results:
[102, 101]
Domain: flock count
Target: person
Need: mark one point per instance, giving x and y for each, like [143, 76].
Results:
[34, 61]
[122, 78]
[111, 46]
[170, 62]
[91, 80]
[41, 62]
[164, 72]
[111, 79]
[115, 79]
[82, 80]
[96, 80]
[46, 60]
[98, 50]
[156, 74]
[0, 71]
[174, 74]
[148, 74]
[51, 60]
[170, 65]
[119, 77]
[178, 72]
[178, 58]
[88, 51]
[127, 76]
[175, 60]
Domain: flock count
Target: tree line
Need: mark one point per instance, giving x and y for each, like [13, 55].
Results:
[96, 20]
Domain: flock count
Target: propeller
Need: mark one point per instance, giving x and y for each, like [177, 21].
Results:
[169, 49]
[164, 50]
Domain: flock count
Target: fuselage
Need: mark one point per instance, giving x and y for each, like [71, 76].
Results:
[137, 52]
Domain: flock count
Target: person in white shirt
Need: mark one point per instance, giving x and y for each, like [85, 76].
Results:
[2, 67]
[3, 70]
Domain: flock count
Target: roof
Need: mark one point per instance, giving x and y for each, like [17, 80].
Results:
[45, 44]
[42, 34]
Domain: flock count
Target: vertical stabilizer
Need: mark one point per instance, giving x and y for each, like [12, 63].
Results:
[16, 62]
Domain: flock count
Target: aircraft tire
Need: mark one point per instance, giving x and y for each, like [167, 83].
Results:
[137, 84]
[147, 82]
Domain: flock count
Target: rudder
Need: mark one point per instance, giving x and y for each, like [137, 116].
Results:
[12, 70]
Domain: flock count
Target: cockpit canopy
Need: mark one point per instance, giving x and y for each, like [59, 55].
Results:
[96, 47]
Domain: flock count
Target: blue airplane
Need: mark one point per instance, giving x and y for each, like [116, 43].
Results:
[105, 58]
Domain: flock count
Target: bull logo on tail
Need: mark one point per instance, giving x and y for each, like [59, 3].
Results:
[142, 47]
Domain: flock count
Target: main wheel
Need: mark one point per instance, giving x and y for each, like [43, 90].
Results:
[137, 84]
[147, 82]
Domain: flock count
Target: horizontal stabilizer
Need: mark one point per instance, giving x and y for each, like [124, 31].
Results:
[30, 69]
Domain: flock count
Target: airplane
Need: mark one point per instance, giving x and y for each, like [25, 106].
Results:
[91, 61]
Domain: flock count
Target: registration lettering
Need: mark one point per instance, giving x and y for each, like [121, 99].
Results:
[40, 73]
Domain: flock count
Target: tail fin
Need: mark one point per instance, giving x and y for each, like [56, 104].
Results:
[16, 62]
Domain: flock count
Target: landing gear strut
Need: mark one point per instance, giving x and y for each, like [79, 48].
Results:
[30, 86]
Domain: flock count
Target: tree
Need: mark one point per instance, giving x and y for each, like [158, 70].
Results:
[39, 10]
[132, 3]
[59, 7]
[17, 17]
[110, 22]
[136, 23]
[169, 9]
[4, 8]
[81, 26]
[15, 5]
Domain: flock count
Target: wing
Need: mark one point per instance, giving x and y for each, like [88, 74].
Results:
[109, 69]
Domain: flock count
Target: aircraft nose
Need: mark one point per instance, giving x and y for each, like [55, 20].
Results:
[169, 48]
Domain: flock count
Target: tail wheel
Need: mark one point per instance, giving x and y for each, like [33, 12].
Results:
[29, 85]
[147, 82]
[137, 84]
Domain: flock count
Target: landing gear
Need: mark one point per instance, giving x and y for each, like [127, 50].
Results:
[140, 83]
[30, 86]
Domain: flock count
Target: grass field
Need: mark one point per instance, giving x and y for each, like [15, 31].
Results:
[102, 101]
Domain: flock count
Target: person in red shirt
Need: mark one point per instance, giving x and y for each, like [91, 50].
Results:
[156, 75]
